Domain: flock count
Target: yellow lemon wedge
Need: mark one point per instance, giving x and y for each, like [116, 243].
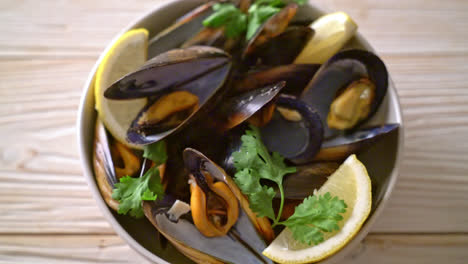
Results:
[332, 31]
[127, 54]
[350, 183]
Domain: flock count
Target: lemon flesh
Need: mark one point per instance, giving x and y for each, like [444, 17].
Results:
[332, 31]
[126, 55]
[350, 183]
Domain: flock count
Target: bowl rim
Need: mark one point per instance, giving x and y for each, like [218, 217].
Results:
[82, 127]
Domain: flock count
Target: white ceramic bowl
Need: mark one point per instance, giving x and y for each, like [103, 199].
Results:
[382, 159]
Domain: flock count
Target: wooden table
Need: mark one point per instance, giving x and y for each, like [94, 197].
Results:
[47, 48]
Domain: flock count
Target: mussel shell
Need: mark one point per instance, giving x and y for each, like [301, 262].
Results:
[202, 71]
[296, 76]
[307, 178]
[239, 108]
[181, 30]
[103, 165]
[296, 141]
[274, 52]
[176, 69]
[273, 27]
[337, 73]
[339, 148]
[195, 162]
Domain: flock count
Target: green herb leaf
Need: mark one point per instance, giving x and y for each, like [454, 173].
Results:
[229, 16]
[257, 16]
[253, 163]
[130, 192]
[314, 216]
[237, 23]
[156, 152]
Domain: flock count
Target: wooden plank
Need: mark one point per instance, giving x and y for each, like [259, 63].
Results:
[378, 248]
[81, 29]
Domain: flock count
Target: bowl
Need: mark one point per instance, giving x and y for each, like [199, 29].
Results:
[382, 159]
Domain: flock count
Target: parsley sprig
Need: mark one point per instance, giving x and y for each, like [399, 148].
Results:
[314, 216]
[237, 23]
[130, 192]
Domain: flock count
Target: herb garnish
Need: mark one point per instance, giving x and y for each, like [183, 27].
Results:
[130, 192]
[314, 216]
[237, 23]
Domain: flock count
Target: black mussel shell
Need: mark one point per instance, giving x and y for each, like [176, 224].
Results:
[337, 73]
[299, 140]
[273, 27]
[340, 147]
[202, 71]
[181, 30]
[307, 178]
[239, 108]
[284, 48]
[296, 76]
[179, 69]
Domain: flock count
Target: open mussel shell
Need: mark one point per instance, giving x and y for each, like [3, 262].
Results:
[296, 76]
[242, 244]
[239, 108]
[273, 27]
[189, 69]
[200, 71]
[195, 162]
[336, 74]
[181, 30]
[103, 165]
[231, 248]
[339, 148]
[299, 125]
[296, 38]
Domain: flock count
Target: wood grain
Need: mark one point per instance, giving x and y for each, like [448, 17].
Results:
[376, 248]
[47, 214]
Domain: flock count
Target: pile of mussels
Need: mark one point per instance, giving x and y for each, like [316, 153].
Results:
[203, 89]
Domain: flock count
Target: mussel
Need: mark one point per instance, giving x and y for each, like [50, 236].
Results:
[112, 160]
[182, 29]
[273, 27]
[200, 74]
[200, 234]
[297, 124]
[103, 165]
[347, 90]
[296, 76]
[296, 38]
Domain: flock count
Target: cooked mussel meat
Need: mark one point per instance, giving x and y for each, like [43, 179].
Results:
[196, 162]
[347, 90]
[214, 207]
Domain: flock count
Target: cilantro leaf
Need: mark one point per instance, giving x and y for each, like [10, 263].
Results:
[130, 192]
[253, 163]
[314, 216]
[236, 23]
[258, 14]
[229, 16]
[156, 152]
[311, 219]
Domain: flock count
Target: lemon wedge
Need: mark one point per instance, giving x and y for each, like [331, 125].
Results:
[332, 31]
[127, 54]
[350, 183]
